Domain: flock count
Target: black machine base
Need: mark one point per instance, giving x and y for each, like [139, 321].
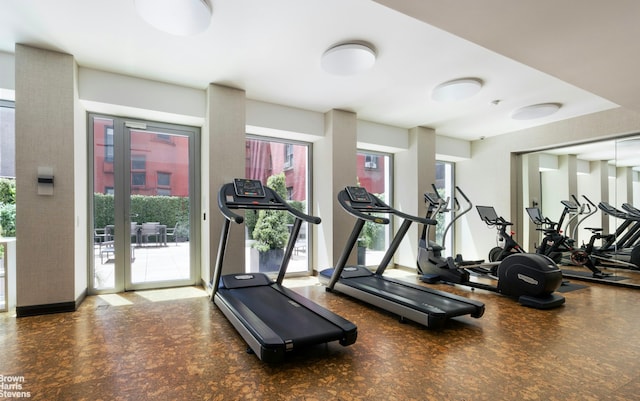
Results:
[550, 302]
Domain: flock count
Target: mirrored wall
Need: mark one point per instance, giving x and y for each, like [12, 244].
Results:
[580, 206]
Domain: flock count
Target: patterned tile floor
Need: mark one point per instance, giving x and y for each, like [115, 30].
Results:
[176, 345]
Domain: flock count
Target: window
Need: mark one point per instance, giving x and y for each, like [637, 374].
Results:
[7, 175]
[164, 179]
[445, 184]
[371, 162]
[7, 139]
[138, 179]
[288, 155]
[108, 144]
[374, 174]
[138, 162]
[271, 161]
[163, 137]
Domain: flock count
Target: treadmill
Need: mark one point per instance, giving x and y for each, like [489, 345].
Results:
[410, 301]
[272, 319]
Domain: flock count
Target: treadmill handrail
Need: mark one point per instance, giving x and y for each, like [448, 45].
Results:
[276, 203]
[377, 206]
[612, 211]
[345, 202]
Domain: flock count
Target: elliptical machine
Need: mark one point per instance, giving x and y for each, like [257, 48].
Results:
[529, 278]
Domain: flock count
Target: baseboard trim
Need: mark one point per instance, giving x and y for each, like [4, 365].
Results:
[47, 309]
[35, 310]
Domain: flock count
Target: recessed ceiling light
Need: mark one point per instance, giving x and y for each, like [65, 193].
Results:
[348, 58]
[536, 111]
[177, 17]
[456, 90]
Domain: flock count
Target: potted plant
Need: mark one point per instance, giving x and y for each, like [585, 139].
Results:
[271, 232]
[363, 244]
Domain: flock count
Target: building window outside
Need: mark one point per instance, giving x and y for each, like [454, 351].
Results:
[138, 171]
[371, 162]
[138, 162]
[286, 163]
[138, 179]
[164, 179]
[108, 144]
[288, 155]
[163, 137]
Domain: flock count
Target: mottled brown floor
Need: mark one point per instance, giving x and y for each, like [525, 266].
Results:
[176, 345]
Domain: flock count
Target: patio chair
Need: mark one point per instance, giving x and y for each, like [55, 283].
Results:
[100, 235]
[173, 232]
[150, 230]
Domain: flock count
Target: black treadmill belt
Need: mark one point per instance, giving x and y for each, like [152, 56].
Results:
[287, 318]
[425, 300]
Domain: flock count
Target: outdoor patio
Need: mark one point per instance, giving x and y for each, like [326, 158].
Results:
[149, 264]
[171, 262]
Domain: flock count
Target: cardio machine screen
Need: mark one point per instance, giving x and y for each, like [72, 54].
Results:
[248, 188]
[358, 194]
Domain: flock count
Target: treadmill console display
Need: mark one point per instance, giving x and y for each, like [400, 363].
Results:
[248, 188]
[358, 194]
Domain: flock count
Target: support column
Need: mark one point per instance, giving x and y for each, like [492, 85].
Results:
[624, 186]
[531, 198]
[46, 227]
[334, 166]
[223, 159]
[600, 171]
[414, 172]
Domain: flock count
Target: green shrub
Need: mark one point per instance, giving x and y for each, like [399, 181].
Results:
[7, 191]
[167, 210]
[8, 220]
[271, 230]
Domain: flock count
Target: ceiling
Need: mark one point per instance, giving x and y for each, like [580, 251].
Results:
[583, 55]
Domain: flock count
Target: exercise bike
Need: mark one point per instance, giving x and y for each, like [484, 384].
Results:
[555, 244]
[529, 278]
[505, 243]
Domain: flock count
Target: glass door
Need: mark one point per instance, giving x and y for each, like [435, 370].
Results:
[143, 198]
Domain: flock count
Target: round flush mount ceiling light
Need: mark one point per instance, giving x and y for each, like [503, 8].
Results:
[536, 111]
[348, 58]
[456, 90]
[177, 17]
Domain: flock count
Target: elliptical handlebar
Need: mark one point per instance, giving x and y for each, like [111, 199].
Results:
[587, 209]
